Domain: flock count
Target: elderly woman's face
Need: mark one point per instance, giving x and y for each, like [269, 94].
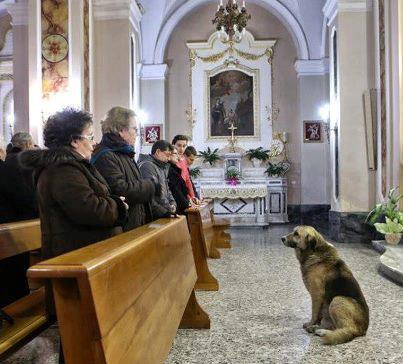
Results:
[129, 135]
[84, 145]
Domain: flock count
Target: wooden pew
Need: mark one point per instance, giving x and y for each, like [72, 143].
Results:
[28, 313]
[202, 237]
[122, 300]
[222, 239]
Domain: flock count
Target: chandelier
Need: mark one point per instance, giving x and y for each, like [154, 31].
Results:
[231, 20]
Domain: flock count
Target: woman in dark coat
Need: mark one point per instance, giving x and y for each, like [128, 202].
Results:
[177, 184]
[75, 205]
[114, 159]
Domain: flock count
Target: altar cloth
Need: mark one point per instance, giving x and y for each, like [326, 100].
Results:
[244, 191]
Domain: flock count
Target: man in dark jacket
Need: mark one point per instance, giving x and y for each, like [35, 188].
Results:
[17, 183]
[155, 167]
[114, 159]
[18, 202]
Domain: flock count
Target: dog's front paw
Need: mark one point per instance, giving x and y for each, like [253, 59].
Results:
[309, 327]
[321, 332]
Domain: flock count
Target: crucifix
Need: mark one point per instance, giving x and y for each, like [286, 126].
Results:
[232, 140]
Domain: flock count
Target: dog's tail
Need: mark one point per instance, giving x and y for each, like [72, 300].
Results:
[340, 336]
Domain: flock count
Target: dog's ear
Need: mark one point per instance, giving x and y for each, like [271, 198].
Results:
[311, 241]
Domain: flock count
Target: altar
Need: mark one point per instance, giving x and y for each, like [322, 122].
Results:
[243, 204]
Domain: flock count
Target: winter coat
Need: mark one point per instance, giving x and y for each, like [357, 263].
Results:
[75, 206]
[177, 185]
[17, 190]
[158, 171]
[114, 159]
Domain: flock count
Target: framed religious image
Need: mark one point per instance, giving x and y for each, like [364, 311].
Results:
[232, 101]
[313, 131]
[152, 133]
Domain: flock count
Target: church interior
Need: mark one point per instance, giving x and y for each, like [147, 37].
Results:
[201, 181]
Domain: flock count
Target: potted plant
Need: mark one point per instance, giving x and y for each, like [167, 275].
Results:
[232, 176]
[388, 213]
[392, 229]
[210, 156]
[389, 208]
[257, 156]
[194, 172]
[277, 169]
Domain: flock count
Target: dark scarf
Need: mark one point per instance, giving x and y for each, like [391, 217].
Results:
[112, 143]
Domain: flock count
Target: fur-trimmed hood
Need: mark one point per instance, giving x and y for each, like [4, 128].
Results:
[41, 158]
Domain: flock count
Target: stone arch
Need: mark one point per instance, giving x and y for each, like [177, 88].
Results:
[275, 7]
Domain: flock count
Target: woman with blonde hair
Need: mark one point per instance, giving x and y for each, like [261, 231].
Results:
[114, 159]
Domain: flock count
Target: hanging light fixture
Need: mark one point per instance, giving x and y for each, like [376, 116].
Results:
[231, 20]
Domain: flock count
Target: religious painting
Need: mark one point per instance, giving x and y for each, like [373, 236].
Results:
[231, 99]
[152, 133]
[313, 131]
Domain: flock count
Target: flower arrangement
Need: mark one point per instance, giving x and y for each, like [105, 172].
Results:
[232, 176]
[210, 156]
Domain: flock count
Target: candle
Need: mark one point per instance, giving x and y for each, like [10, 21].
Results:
[243, 3]
[220, 2]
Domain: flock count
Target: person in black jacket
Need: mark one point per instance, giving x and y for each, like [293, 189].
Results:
[114, 159]
[177, 184]
[18, 202]
[17, 185]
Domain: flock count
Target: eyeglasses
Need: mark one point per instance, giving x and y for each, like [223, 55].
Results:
[89, 137]
[135, 128]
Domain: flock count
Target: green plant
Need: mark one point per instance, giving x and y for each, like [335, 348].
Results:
[258, 153]
[210, 156]
[389, 227]
[276, 169]
[194, 172]
[232, 173]
[387, 209]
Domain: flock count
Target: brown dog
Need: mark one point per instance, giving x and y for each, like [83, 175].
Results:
[339, 310]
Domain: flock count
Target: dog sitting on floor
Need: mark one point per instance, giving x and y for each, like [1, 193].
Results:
[339, 310]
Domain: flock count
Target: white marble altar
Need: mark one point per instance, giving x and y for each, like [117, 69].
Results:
[243, 204]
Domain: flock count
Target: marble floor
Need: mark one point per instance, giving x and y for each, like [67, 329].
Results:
[257, 314]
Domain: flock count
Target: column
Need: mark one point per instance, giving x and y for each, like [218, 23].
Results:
[153, 95]
[351, 67]
[19, 14]
[115, 24]
[313, 94]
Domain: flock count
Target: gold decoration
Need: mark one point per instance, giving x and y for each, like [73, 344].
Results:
[214, 57]
[254, 57]
[192, 57]
[272, 113]
[6, 77]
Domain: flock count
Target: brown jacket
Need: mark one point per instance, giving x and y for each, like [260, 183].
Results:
[75, 206]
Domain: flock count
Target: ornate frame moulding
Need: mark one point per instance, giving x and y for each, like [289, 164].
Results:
[250, 56]
[256, 105]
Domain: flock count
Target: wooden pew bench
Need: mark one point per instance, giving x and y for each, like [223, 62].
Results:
[202, 236]
[123, 299]
[27, 313]
[222, 239]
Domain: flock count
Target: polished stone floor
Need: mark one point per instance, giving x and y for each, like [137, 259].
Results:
[257, 314]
